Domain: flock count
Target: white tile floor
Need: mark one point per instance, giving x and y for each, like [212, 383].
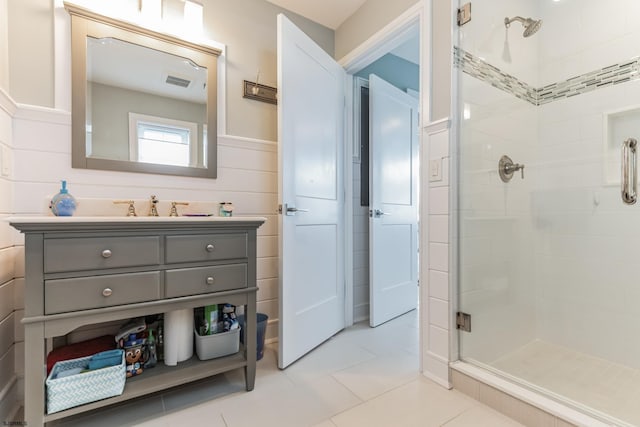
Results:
[608, 387]
[361, 377]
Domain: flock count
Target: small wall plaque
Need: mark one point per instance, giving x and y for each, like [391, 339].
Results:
[260, 92]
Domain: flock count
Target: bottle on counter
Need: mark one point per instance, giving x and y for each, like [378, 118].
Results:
[63, 203]
[226, 209]
[160, 344]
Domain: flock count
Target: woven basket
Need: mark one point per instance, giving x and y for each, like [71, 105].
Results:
[67, 392]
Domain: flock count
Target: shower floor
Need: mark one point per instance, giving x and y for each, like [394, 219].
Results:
[607, 387]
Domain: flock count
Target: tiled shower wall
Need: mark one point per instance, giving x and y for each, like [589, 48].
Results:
[586, 238]
[571, 241]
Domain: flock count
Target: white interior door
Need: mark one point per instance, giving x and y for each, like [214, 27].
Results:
[393, 187]
[311, 193]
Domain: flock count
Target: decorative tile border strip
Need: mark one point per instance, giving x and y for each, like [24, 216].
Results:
[486, 72]
[604, 77]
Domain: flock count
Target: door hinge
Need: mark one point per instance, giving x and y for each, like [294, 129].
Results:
[463, 321]
[280, 209]
[464, 14]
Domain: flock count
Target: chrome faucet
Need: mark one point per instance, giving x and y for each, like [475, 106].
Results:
[153, 210]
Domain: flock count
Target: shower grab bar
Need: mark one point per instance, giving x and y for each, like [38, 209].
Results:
[629, 171]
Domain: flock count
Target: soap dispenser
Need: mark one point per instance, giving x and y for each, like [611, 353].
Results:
[63, 203]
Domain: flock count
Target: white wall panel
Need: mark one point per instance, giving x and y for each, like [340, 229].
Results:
[267, 246]
[7, 333]
[18, 293]
[268, 289]
[6, 190]
[18, 331]
[7, 267]
[7, 367]
[19, 361]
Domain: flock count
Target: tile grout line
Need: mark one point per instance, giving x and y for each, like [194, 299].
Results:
[224, 420]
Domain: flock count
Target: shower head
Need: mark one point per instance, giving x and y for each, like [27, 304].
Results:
[531, 26]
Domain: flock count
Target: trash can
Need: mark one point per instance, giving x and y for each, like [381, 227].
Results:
[261, 332]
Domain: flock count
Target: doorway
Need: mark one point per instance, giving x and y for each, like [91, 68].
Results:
[399, 65]
[397, 33]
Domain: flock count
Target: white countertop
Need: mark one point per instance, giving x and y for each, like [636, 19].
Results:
[135, 223]
[37, 219]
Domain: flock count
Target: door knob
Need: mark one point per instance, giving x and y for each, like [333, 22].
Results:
[377, 213]
[292, 210]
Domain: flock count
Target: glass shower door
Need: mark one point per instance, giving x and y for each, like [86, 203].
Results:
[548, 258]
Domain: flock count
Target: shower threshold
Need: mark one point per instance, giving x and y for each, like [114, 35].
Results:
[583, 386]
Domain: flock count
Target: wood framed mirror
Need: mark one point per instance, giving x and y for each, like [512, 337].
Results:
[142, 101]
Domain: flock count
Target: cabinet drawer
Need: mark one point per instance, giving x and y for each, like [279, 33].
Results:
[200, 280]
[100, 252]
[93, 292]
[206, 247]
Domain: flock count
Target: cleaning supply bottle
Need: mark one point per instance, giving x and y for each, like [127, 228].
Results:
[160, 344]
[63, 203]
[152, 356]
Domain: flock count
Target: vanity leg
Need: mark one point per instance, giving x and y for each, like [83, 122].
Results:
[250, 341]
[34, 387]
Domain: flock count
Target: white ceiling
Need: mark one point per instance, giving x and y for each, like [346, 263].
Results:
[121, 64]
[330, 13]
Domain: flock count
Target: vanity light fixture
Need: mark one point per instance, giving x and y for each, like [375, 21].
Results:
[193, 15]
[151, 10]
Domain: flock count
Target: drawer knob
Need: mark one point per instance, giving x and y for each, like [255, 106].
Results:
[210, 248]
[210, 280]
[106, 292]
[106, 253]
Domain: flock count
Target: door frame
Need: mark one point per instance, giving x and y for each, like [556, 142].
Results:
[389, 37]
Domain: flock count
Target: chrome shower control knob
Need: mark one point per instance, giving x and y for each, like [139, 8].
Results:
[106, 292]
[506, 168]
[106, 253]
[210, 281]
[210, 248]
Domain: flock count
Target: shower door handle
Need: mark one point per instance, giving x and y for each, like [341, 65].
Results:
[629, 171]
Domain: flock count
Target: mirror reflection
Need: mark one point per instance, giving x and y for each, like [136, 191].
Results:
[144, 105]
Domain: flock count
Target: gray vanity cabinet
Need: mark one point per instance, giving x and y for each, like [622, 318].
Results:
[81, 271]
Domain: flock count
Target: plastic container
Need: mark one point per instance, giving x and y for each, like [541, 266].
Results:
[63, 203]
[260, 333]
[217, 345]
[74, 390]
